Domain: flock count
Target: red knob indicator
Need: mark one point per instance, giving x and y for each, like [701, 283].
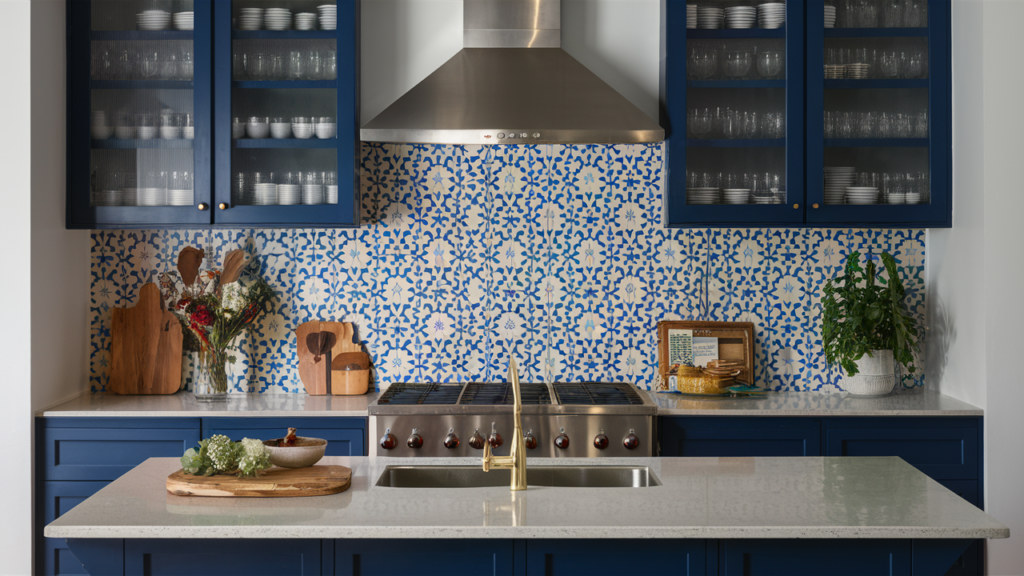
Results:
[631, 441]
[388, 440]
[562, 441]
[415, 440]
[451, 441]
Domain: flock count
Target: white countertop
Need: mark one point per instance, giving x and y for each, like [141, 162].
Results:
[700, 498]
[184, 405]
[902, 403]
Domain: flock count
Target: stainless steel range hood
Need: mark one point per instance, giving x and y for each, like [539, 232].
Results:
[512, 84]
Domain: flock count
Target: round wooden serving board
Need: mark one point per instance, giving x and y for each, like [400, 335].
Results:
[274, 483]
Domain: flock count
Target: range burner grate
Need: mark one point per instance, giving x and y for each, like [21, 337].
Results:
[597, 393]
[498, 393]
[407, 394]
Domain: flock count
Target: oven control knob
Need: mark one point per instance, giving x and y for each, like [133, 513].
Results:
[601, 441]
[451, 441]
[530, 440]
[562, 441]
[631, 440]
[477, 441]
[415, 440]
[494, 439]
[388, 440]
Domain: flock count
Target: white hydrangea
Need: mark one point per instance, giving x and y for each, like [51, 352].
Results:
[255, 458]
[232, 297]
[222, 452]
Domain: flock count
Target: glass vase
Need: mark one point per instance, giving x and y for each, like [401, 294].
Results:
[211, 383]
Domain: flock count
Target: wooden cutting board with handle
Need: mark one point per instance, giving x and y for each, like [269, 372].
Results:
[145, 347]
[274, 483]
[316, 375]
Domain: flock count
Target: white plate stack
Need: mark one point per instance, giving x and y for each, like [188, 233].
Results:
[153, 20]
[862, 195]
[913, 197]
[305, 21]
[736, 195]
[265, 194]
[152, 196]
[897, 198]
[830, 16]
[837, 180]
[857, 70]
[184, 21]
[328, 16]
[250, 19]
[769, 199]
[771, 15]
[691, 16]
[332, 193]
[289, 194]
[702, 196]
[312, 193]
[739, 17]
[835, 71]
[710, 17]
[277, 19]
[179, 197]
[106, 198]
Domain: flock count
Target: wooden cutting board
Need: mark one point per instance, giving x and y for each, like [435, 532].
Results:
[315, 375]
[274, 483]
[145, 347]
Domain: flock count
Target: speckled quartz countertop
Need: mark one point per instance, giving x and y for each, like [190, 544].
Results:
[699, 498]
[184, 405]
[903, 403]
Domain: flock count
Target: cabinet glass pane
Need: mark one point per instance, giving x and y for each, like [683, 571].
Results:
[876, 13]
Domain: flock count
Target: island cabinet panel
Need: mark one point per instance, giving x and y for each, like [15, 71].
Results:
[346, 436]
[833, 557]
[728, 436]
[223, 557]
[423, 557]
[615, 557]
[56, 499]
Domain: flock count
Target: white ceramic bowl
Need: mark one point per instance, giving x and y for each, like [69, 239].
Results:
[302, 131]
[237, 131]
[188, 132]
[280, 130]
[325, 130]
[308, 451]
[170, 132]
[257, 129]
[101, 132]
[145, 132]
[124, 132]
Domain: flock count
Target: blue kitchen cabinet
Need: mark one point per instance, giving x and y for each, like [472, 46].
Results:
[423, 557]
[345, 436]
[833, 557]
[220, 557]
[55, 499]
[702, 436]
[615, 557]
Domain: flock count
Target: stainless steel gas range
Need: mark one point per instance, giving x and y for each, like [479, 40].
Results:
[563, 419]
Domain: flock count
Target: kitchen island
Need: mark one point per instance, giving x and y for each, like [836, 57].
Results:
[751, 516]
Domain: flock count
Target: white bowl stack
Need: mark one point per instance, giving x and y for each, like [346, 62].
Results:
[896, 198]
[736, 195]
[312, 193]
[769, 199]
[152, 197]
[739, 17]
[277, 19]
[302, 131]
[145, 132]
[857, 70]
[913, 197]
[771, 15]
[710, 17]
[188, 132]
[862, 195]
[184, 21]
[179, 197]
[99, 127]
[325, 130]
[830, 16]
[265, 194]
[289, 194]
[153, 20]
[328, 16]
[107, 198]
[306, 21]
[170, 132]
[332, 193]
[250, 19]
[257, 130]
[691, 16]
[837, 180]
[702, 196]
[280, 130]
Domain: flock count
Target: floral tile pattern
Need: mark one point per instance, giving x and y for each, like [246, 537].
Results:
[555, 253]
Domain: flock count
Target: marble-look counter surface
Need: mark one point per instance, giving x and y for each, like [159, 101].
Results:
[184, 405]
[903, 403]
[699, 498]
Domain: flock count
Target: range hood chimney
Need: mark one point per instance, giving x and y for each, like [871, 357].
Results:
[512, 84]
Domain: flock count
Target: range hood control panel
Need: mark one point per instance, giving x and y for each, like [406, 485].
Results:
[513, 136]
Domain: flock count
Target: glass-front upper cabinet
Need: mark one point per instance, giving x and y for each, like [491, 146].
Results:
[879, 112]
[139, 113]
[287, 133]
[732, 89]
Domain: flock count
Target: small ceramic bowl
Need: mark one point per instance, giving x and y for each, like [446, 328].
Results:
[306, 452]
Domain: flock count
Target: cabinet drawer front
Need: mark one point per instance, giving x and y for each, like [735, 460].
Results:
[423, 557]
[107, 453]
[345, 436]
[740, 437]
[219, 557]
[615, 557]
[56, 498]
[805, 557]
[947, 453]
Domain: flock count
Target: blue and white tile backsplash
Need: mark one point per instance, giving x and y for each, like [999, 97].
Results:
[558, 252]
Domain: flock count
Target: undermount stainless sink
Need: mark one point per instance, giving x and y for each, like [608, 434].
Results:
[560, 476]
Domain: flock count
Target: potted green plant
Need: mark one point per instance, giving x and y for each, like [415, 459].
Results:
[865, 327]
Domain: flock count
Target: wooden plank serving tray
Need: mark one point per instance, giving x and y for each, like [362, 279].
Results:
[735, 342]
[274, 483]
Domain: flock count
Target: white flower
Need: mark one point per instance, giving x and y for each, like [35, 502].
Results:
[439, 326]
[232, 297]
[510, 325]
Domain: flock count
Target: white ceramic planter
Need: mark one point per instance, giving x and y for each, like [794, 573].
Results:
[876, 375]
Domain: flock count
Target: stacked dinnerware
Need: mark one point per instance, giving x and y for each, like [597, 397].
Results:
[130, 196]
[702, 196]
[768, 198]
[710, 17]
[837, 180]
[184, 21]
[913, 197]
[835, 71]
[302, 128]
[153, 20]
[179, 197]
[328, 16]
[277, 19]
[897, 198]
[107, 197]
[152, 196]
[771, 15]
[312, 193]
[691, 16]
[289, 194]
[257, 127]
[326, 127]
[862, 195]
[100, 128]
[738, 17]
[858, 70]
[279, 128]
[332, 193]
[736, 195]
[265, 194]
[305, 21]
[830, 16]
[250, 19]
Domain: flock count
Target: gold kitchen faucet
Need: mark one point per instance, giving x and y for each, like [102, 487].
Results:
[516, 460]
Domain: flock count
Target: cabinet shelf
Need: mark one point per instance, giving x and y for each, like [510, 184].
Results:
[116, 35]
[876, 142]
[283, 84]
[285, 143]
[735, 83]
[875, 84]
[874, 32]
[723, 34]
[736, 143]
[117, 144]
[141, 84]
[284, 34]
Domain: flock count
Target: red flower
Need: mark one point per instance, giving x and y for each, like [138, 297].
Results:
[184, 302]
[202, 316]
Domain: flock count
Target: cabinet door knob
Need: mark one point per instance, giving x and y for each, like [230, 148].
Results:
[224, 206]
[203, 206]
[796, 206]
[815, 206]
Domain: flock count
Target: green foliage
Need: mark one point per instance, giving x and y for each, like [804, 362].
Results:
[219, 455]
[255, 458]
[862, 312]
[197, 462]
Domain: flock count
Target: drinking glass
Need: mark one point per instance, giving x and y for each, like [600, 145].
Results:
[921, 124]
[865, 124]
[240, 189]
[296, 65]
[912, 65]
[902, 126]
[892, 13]
[769, 63]
[277, 66]
[737, 64]
[885, 125]
[732, 125]
[750, 125]
[238, 66]
[257, 67]
[830, 124]
[915, 14]
[890, 64]
[844, 126]
[168, 63]
[330, 60]
[149, 65]
[186, 63]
